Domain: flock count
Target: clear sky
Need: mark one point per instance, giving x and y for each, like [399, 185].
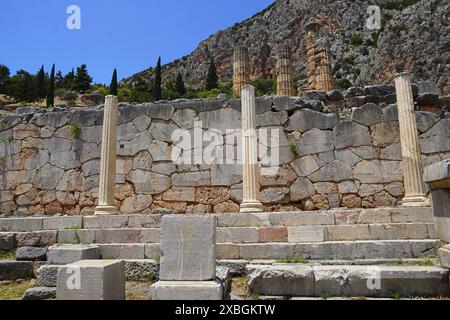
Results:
[129, 35]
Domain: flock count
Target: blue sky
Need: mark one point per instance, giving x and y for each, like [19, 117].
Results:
[129, 35]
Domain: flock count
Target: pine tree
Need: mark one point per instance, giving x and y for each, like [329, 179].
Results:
[69, 79]
[83, 80]
[179, 85]
[156, 92]
[41, 88]
[4, 76]
[51, 89]
[113, 85]
[212, 78]
[59, 80]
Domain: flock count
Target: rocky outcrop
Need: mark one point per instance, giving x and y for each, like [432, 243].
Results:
[414, 35]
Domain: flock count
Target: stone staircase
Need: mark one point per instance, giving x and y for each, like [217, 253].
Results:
[297, 252]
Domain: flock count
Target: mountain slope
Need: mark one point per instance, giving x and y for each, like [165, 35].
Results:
[415, 34]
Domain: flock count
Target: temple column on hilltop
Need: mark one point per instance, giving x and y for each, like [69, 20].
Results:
[107, 183]
[241, 69]
[324, 78]
[250, 169]
[412, 164]
[285, 79]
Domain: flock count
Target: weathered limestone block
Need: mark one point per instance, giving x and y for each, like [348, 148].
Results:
[336, 171]
[13, 270]
[301, 189]
[7, 241]
[141, 270]
[61, 223]
[444, 256]
[36, 239]
[372, 172]
[306, 119]
[46, 275]
[186, 290]
[315, 141]
[437, 177]
[306, 234]
[149, 182]
[98, 280]
[351, 134]
[282, 281]
[237, 235]
[368, 115]
[31, 254]
[188, 248]
[68, 254]
[39, 293]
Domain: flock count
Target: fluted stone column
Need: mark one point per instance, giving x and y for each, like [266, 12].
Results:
[285, 79]
[324, 79]
[250, 170]
[310, 60]
[412, 164]
[106, 193]
[241, 70]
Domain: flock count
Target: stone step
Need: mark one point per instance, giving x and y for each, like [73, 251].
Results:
[344, 281]
[393, 231]
[299, 218]
[347, 250]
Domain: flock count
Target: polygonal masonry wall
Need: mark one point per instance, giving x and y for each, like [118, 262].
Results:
[334, 152]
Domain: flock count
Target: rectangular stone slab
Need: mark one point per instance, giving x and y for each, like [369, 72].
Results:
[98, 280]
[70, 254]
[188, 249]
[186, 290]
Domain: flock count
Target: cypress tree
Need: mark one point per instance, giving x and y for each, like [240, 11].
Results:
[158, 81]
[179, 85]
[51, 89]
[41, 89]
[212, 78]
[113, 85]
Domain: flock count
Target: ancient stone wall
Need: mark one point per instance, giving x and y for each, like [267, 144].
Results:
[336, 150]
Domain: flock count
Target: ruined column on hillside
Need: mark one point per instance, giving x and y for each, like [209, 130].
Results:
[285, 78]
[324, 78]
[412, 164]
[107, 183]
[310, 60]
[241, 69]
[312, 30]
[250, 169]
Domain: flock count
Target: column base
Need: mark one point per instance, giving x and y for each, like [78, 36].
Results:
[251, 207]
[415, 201]
[106, 210]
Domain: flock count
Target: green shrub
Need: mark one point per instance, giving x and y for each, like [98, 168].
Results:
[264, 86]
[356, 40]
[71, 103]
[343, 84]
[75, 130]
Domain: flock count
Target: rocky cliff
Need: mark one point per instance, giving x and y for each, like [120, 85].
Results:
[414, 34]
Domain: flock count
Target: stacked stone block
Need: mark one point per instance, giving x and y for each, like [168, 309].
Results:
[188, 260]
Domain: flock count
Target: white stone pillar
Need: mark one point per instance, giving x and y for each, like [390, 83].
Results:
[107, 184]
[250, 170]
[412, 164]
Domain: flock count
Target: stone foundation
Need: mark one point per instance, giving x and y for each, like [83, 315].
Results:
[337, 149]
